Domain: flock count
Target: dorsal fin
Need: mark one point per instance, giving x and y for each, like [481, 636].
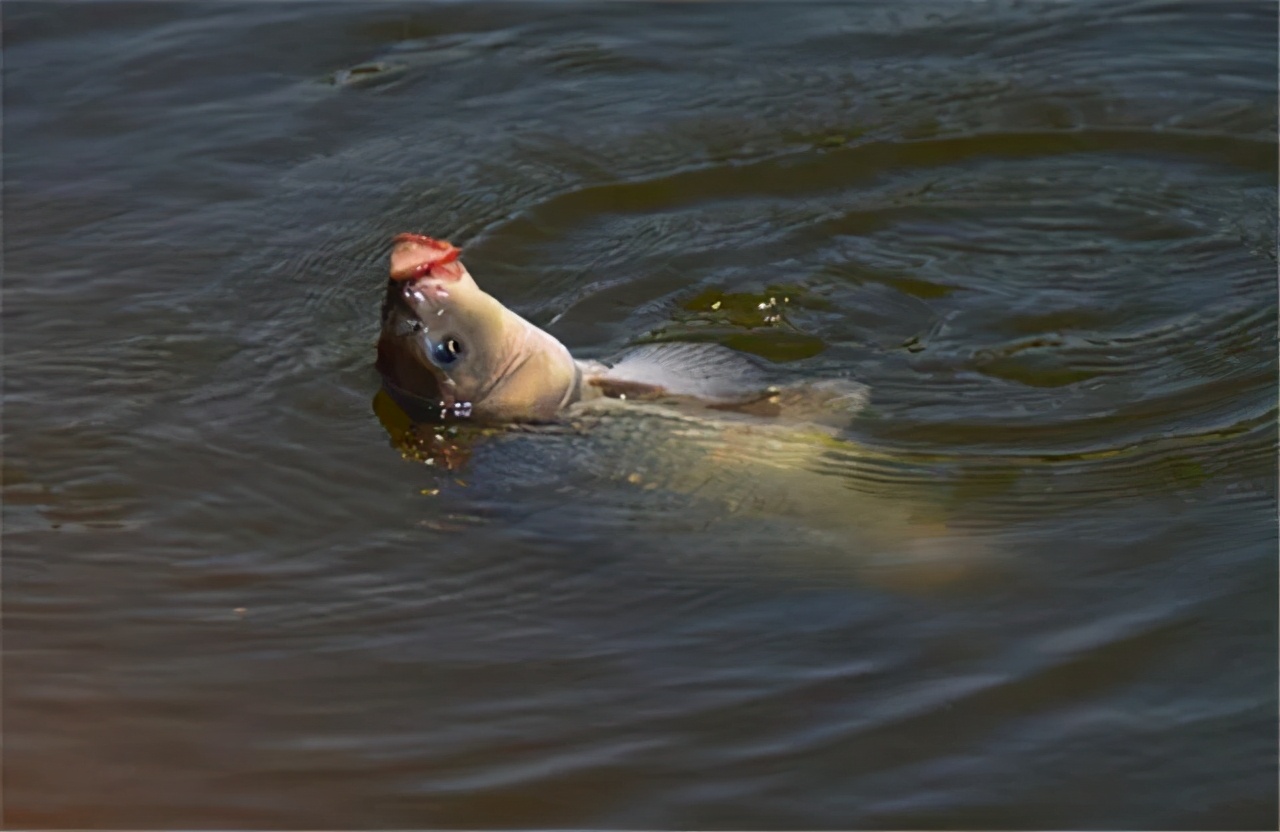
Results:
[725, 380]
[704, 371]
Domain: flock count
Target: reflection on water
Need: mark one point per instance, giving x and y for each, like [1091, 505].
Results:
[1032, 584]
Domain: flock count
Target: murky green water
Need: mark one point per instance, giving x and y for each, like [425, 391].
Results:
[1043, 234]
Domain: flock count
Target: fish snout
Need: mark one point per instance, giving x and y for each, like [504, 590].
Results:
[424, 295]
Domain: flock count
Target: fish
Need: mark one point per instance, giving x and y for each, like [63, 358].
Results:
[697, 423]
[448, 350]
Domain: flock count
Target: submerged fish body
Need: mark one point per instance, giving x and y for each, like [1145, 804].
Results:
[733, 492]
[698, 422]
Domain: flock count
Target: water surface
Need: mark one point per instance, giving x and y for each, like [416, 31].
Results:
[1043, 234]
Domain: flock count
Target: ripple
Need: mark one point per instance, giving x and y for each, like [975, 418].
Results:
[1043, 558]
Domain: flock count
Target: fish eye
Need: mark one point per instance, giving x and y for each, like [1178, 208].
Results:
[447, 351]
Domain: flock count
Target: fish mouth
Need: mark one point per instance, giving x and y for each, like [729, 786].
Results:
[414, 256]
[424, 298]
[422, 271]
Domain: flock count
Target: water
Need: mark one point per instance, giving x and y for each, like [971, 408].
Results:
[1043, 234]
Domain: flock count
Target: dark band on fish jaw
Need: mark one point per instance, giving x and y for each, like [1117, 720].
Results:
[417, 408]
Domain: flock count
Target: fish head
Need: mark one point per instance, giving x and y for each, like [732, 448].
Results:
[448, 349]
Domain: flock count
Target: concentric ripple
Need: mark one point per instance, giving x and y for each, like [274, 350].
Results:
[1032, 584]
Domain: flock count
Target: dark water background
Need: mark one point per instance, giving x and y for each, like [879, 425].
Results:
[1043, 233]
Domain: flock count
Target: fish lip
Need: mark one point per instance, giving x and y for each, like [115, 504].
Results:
[423, 297]
[415, 256]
